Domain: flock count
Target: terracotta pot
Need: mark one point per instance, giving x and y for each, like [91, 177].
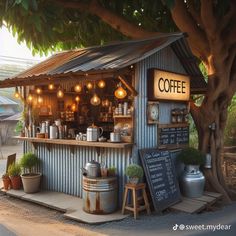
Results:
[6, 183]
[16, 182]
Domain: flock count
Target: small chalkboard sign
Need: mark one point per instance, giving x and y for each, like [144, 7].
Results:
[161, 177]
[173, 136]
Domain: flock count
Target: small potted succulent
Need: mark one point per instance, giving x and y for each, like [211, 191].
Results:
[6, 181]
[14, 171]
[30, 179]
[192, 180]
[134, 172]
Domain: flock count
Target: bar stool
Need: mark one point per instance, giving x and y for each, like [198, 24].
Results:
[135, 200]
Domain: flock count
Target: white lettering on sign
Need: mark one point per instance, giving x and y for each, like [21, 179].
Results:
[171, 86]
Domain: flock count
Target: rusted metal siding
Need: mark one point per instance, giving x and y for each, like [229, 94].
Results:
[146, 135]
[61, 164]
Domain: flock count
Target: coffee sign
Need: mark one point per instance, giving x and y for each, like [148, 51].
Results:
[168, 86]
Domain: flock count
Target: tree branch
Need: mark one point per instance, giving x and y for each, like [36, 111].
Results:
[197, 39]
[194, 13]
[208, 19]
[115, 21]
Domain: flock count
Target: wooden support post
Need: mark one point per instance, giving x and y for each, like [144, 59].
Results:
[128, 86]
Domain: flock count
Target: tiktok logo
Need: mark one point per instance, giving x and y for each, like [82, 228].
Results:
[175, 227]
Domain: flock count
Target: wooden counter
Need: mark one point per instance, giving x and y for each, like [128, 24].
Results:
[72, 142]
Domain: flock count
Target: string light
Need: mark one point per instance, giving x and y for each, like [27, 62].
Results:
[60, 93]
[40, 99]
[89, 85]
[101, 84]
[95, 100]
[120, 93]
[30, 98]
[51, 86]
[78, 88]
[38, 90]
[73, 107]
[16, 94]
[77, 98]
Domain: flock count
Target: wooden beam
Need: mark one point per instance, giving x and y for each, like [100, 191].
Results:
[128, 85]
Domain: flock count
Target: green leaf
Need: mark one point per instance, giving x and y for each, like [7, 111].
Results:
[169, 3]
[25, 4]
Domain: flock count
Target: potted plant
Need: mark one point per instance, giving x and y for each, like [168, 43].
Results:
[6, 181]
[30, 179]
[192, 180]
[111, 171]
[14, 171]
[134, 172]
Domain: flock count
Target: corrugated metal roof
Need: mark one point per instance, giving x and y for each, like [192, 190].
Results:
[15, 117]
[113, 57]
[6, 101]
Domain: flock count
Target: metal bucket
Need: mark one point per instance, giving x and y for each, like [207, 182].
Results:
[100, 195]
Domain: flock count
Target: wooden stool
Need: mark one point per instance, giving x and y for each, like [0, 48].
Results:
[136, 207]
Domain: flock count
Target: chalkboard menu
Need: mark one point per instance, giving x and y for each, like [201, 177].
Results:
[161, 177]
[174, 136]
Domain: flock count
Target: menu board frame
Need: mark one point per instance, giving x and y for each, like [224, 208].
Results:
[165, 156]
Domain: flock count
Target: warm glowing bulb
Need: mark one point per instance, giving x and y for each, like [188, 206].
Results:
[77, 98]
[78, 88]
[89, 85]
[51, 86]
[120, 93]
[101, 84]
[30, 98]
[38, 90]
[106, 103]
[60, 93]
[73, 107]
[40, 99]
[16, 94]
[95, 100]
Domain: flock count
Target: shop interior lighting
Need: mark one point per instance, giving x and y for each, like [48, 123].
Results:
[16, 94]
[77, 98]
[120, 92]
[89, 85]
[78, 88]
[38, 90]
[51, 86]
[60, 93]
[101, 84]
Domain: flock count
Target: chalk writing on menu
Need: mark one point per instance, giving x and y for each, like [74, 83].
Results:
[174, 135]
[160, 174]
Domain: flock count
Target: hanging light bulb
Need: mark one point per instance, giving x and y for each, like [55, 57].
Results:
[16, 94]
[38, 90]
[78, 88]
[51, 86]
[77, 98]
[89, 85]
[95, 100]
[120, 93]
[73, 107]
[101, 84]
[40, 99]
[106, 103]
[30, 98]
[60, 93]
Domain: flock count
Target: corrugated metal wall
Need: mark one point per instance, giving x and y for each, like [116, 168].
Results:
[61, 165]
[146, 135]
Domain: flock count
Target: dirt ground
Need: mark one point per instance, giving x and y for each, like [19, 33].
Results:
[28, 219]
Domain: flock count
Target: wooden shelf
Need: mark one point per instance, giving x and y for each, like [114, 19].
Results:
[174, 125]
[72, 142]
[122, 116]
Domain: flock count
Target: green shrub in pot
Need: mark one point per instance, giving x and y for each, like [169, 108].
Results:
[134, 172]
[14, 171]
[191, 156]
[30, 179]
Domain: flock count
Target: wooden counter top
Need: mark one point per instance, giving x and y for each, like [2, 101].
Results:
[73, 142]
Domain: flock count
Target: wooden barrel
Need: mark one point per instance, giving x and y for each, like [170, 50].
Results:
[100, 195]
